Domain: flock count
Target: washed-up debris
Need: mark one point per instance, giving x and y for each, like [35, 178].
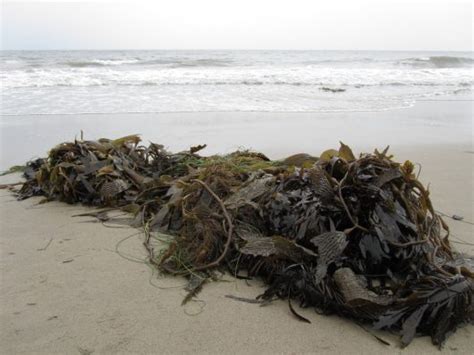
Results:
[13, 169]
[333, 90]
[355, 236]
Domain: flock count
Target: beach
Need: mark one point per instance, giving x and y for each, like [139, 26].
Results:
[445, 120]
[72, 285]
[257, 166]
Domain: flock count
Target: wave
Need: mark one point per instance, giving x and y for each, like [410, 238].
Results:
[82, 64]
[202, 63]
[98, 63]
[133, 71]
[184, 62]
[438, 62]
[342, 60]
[173, 63]
[93, 82]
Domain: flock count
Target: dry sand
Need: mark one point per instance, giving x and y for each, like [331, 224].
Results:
[67, 287]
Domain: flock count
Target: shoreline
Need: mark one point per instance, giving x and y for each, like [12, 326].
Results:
[72, 285]
[443, 122]
[434, 98]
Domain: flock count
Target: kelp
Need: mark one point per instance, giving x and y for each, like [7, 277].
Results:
[354, 236]
[13, 169]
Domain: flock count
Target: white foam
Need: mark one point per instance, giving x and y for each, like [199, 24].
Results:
[73, 82]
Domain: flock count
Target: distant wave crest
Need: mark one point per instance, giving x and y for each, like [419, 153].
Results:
[149, 62]
[98, 63]
[438, 62]
[203, 63]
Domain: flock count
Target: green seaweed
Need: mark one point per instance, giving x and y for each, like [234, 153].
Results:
[14, 169]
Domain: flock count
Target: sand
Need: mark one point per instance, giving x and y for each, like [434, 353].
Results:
[275, 133]
[72, 286]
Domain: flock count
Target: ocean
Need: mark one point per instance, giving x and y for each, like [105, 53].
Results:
[79, 82]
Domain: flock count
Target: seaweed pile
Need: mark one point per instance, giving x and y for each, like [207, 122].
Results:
[357, 237]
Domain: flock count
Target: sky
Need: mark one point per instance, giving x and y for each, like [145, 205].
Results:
[238, 24]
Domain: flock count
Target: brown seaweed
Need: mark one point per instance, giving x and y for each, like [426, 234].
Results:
[354, 236]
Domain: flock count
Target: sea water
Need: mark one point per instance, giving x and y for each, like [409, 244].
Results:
[74, 82]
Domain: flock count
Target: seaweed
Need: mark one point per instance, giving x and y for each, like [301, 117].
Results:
[353, 236]
[333, 90]
[14, 169]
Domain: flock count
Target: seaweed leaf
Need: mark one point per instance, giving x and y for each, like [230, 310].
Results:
[346, 153]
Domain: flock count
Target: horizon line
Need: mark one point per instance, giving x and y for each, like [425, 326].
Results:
[233, 49]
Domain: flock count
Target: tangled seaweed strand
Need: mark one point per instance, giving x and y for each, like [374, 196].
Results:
[358, 237]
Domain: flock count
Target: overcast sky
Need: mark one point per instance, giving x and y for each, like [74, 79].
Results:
[238, 24]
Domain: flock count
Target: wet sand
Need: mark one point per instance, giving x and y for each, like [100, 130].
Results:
[72, 286]
[278, 134]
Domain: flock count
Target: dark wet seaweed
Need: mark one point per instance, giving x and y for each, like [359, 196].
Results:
[358, 237]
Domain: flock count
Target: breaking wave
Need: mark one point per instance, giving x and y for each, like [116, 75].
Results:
[203, 63]
[98, 63]
[96, 81]
[438, 62]
[47, 79]
[173, 63]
